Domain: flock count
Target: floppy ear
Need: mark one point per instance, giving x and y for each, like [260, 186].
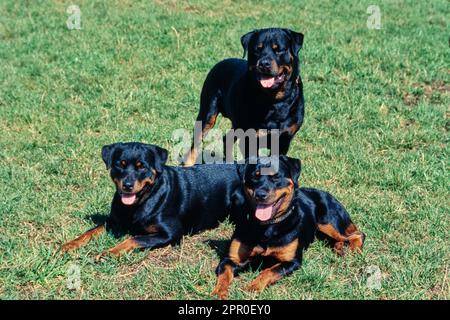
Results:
[241, 167]
[245, 40]
[296, 40]
[295, 167]
[107, 152]
[160, 155]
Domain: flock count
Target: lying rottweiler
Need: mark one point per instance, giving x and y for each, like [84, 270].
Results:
[284, 221]
[264, 92]
[157, 204]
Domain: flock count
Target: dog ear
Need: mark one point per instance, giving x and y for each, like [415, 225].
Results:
[159, 155]
[296, 40]
[245, 40]
[295, 167]
[107, 152]
[241, 167]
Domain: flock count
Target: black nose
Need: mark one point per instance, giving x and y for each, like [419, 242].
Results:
[265, 63]
[261, 195]
[127, 186]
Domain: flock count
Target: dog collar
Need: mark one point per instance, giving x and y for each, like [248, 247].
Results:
[279, 219]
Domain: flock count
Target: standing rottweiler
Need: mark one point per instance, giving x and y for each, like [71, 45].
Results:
[284, 220]
[263, 92]
[158, 204]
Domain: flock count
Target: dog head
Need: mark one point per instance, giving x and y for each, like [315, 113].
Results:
[271, 191]
[272, 55]
[134, 168]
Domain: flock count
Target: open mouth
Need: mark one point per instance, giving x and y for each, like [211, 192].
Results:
[268, 81]
[266, 212]
[128, 198]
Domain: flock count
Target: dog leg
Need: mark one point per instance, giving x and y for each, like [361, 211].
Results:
[273, 274]
[150, 241]
[356, 238]
[340, 239]
[225, 274]
[285, 141]
[353, 238]
[238, 256]
[207, 116]
[83, 239]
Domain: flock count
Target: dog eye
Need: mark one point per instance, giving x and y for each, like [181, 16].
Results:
[275, 48]
[280, 50]
[257, 173]
[139, 165]
[123, 164]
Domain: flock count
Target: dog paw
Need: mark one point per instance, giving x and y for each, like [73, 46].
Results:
[220, 292]
[255, 286]
[101, 257]
[68, 246]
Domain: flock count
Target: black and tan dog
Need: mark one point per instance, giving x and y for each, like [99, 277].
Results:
[284, 221]
[263, 92]
[158, 204]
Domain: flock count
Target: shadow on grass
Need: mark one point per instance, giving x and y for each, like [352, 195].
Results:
[219, 246]
[102, 219]
[98, 218]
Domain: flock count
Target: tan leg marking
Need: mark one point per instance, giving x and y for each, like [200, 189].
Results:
[223, 283]
[83, 239]
[266, 277]
[120, 249]
[352, 236]
[191, 157]
[330, 231]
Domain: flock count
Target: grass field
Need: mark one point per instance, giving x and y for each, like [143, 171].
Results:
[375, 135]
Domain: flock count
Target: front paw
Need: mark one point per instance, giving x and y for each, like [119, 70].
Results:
[255, 286]
[101, 257]
[340, 248]
[68, 246]
[221, 292]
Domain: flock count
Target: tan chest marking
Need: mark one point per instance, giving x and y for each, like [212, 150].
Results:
[286, 253]
[240, 253]
[152, 229]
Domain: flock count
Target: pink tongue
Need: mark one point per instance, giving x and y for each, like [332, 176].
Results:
[128, 199]
[268, 82]
[263, 212]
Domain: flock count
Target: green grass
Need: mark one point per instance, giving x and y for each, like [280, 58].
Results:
[375, 135]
